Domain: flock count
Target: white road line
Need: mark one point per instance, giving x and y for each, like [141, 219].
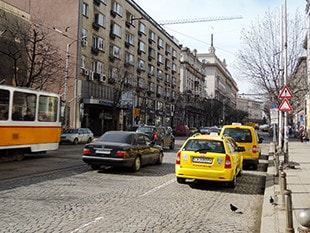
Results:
[80, 229]
[158, 187]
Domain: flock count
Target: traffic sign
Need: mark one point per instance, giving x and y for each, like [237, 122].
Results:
[285, 106]
[286, 93]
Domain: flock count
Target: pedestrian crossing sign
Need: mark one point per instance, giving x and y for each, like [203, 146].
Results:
[286, 93]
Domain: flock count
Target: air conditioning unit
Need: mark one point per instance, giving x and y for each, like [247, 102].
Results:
[85, 72]
[84, 43]
[102, 78]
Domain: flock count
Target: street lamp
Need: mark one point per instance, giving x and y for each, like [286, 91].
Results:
[66, 84]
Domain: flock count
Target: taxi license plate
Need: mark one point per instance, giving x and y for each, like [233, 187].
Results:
[201, 160]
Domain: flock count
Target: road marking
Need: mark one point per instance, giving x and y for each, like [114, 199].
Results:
[80, 229]
[158, 187]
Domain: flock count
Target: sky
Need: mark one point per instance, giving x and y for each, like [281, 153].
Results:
[226, 33]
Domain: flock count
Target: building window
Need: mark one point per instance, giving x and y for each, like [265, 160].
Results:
[151, 86]
[168, 49]
[141, 64]
[142, 28]
[174, 67]
[100, 19]
[98, 43]
[117, 8]
[98, 67]
[117, 30]
[160, 43]
[159, 74]
[141, 46]
[141, 82]
[159, 90]
[130, 38]
[160, 58]
[114, 73]
[85, 10]
[129, 58]
[115, 51]
[174, 53]
[152, 53]
[151, 70]
[167, 64]
[152, 36]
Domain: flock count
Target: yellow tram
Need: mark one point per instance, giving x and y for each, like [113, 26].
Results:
[29, 121]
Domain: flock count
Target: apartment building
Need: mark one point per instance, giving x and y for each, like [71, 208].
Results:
[190, 109]
[220, 86]
[254, 108]
[122, 68]
[13, 55]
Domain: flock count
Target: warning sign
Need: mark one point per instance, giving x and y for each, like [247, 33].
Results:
[285, 106]
[286, 93]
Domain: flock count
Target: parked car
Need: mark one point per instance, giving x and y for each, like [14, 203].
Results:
[161, 135]
[208, 157]
[77, 135]
[181, 130]
[248, 137]
[123, 149]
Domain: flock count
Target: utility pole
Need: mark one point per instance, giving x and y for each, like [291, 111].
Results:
[285, 82]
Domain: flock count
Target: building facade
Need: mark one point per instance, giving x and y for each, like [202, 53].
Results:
[221, 88]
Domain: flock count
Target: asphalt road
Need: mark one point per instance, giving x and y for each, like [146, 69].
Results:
[57, 192]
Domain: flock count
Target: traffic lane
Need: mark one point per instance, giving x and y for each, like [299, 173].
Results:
[65, 157]
[150, 200]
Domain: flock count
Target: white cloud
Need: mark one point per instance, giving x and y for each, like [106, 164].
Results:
[226, 33]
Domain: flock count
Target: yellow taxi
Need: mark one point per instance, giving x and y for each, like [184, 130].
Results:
[247, 137]
[209, 157]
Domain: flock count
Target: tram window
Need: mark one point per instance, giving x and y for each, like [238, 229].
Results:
[48, 108]
[4, 104]
[24, 106]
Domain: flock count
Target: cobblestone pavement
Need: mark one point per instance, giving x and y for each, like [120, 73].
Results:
[151, 200]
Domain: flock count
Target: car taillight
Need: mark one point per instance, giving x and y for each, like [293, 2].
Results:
[227, 161]
[178, 159]
[155, 135]
[86, 151]
[254, 149]
[121, 153]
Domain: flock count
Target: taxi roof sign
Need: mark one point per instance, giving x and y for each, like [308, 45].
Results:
[286, 93]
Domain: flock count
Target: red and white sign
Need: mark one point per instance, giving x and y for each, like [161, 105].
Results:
[285, 106]
[286, 93]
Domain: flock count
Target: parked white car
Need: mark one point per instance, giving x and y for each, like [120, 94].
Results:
[77, 135]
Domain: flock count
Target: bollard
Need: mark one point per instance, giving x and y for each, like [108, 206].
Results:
[277, 162]
[288, 211]
[304, 220]
[283, 187]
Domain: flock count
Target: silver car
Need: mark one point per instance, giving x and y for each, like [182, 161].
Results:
[77, 135]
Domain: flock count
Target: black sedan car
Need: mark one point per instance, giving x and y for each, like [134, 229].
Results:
[122, 149]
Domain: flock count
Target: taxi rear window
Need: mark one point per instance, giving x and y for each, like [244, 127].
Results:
[204, 145]
[239, 134]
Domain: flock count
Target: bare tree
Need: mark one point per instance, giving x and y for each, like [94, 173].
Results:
[259, 60]
[29, 56]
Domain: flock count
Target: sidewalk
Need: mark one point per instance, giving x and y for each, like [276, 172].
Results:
[298, 181]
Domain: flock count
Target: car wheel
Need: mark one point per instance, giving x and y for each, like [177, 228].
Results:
[233, 183]
[172, 145]
[95, 166]
[136, 165]
[89, 140]
[181, 180]
[160, 158]
[75, 141]
[240, 172]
